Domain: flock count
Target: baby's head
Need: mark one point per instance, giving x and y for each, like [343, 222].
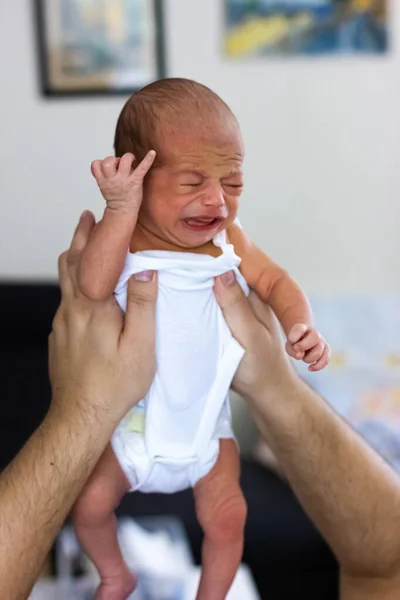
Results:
[192, 191]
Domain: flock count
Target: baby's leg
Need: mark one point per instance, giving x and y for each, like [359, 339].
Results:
[221, 511]
[96, 527]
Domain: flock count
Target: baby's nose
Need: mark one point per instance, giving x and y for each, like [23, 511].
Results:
[214, 198]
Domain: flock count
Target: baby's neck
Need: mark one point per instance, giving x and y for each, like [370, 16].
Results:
[143, 239]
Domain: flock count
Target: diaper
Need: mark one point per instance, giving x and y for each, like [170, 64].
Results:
[158, 474]
[159, 463]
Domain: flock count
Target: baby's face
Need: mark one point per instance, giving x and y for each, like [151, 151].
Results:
[195, 192]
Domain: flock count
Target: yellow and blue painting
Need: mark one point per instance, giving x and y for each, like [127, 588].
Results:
[306, 27]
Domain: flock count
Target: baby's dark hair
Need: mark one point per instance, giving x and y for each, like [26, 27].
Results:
[166, 102]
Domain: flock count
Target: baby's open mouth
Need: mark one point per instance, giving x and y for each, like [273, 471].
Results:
[203, 223]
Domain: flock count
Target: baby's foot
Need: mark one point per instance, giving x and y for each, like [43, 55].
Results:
[117, 588]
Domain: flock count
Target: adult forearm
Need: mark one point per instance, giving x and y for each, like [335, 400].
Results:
[350, 493]
[369, 588]
[38, 489]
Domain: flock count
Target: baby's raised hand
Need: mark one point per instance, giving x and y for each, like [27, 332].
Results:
[306, 343]
[122, 186]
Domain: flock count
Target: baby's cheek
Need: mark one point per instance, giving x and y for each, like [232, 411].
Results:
[232, 204]
[165, 211]
[150, 211]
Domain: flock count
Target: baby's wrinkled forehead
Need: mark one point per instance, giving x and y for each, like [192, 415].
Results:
[194, 127]
[213, 134]
[208, 146]
[175, 112]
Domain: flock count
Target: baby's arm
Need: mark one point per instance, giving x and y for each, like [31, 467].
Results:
[291, 306]
[104, 256]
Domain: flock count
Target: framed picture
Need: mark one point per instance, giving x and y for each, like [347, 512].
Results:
[98, 46]
[305, 27]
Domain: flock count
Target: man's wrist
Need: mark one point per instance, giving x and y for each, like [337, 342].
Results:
[77, 409]
[280, 397]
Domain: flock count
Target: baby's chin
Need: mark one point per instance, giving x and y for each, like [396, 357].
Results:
[190, 242]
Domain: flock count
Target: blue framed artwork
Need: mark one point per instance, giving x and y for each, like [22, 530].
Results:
[305, 27]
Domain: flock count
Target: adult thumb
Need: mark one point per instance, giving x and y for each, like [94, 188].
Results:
[235, 307]
[140, 307]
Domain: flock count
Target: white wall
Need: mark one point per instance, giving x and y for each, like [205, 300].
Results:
[322, 168]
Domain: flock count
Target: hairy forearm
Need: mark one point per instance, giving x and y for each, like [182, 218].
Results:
[104, 256]
[39, 487]
[350, 493]
[369, 588]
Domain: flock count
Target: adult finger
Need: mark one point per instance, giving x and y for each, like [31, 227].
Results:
[82, 232]
[67, 288]
[140, 308]
[264, 313]
[78, 244]
[143, 167]
[235, 307]
[67, 258]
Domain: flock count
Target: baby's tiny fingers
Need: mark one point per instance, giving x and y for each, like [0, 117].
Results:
[291, 351]
[297, 332]
[95, 168]
[125, 163]
[109, 166]
[322, 362]
[309, 341]
[143, 167]
[314, 354]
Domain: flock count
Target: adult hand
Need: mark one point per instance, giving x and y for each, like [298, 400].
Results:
[265, 364]
[98, 359]
[319, 454]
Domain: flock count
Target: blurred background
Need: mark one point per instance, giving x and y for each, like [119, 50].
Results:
[321, 138]
[315, 85]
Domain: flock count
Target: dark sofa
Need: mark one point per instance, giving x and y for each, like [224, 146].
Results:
[287, 556]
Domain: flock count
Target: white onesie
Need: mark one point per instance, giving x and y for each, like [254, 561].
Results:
[171, 440]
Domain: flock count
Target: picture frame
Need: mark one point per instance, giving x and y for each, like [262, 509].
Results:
[98, 47]
[265, 29]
